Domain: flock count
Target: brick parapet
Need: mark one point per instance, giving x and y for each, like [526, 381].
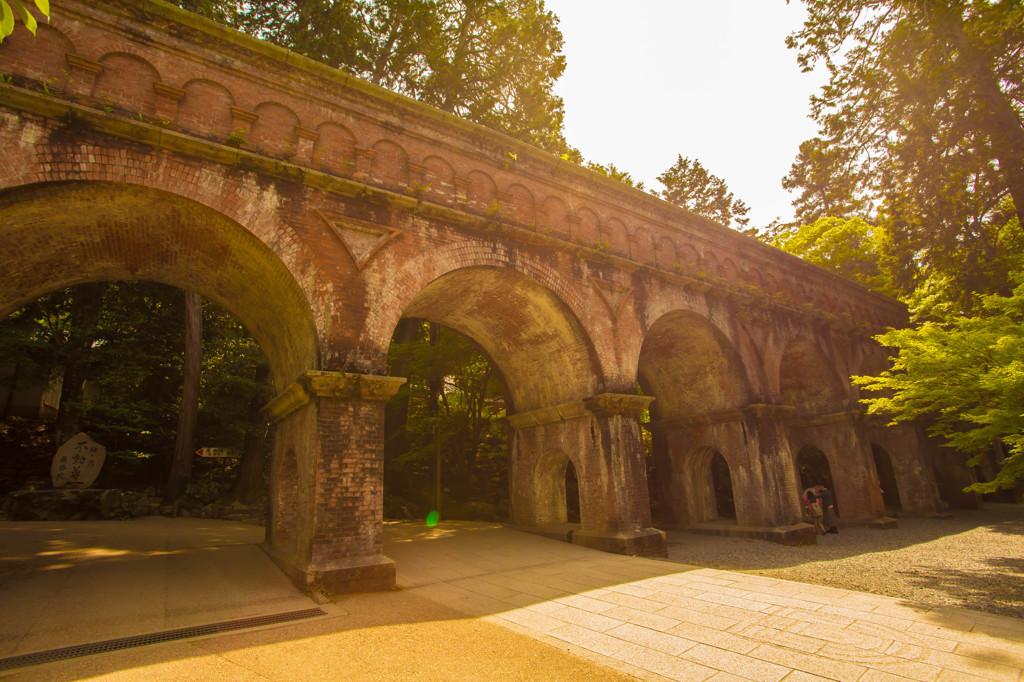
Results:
[255, 72]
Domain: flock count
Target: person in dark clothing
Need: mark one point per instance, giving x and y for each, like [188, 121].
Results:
[828, 509]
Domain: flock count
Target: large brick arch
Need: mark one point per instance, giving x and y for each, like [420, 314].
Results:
[690, 367]
[420, 266]
[808, 380]
[146, 234]
[537, 344]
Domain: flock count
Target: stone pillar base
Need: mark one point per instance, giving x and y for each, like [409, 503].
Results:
[790, 536]
[556, 531]
[884, 523]
[362, 574]
[646, 542]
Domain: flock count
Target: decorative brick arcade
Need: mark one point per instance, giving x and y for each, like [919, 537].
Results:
[142, 142]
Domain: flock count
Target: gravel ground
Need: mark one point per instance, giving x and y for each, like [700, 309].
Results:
[974, 560]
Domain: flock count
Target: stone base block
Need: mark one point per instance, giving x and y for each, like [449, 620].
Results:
[556, 531]
[646, 542]
[884, 523]
[362, 574]
[791, 536]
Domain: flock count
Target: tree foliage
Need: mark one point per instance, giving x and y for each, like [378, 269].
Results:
[850, 247]
[493, 62]
[966, 374]
[922, 116]
[830, 180]
[688, 184]
[463, 424]
[19, 11]
[612, 171]
[134, 371]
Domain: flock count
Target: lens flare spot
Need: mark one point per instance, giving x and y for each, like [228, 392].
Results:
[432, 518]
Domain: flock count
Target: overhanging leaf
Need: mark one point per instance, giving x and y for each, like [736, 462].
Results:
[26, 16]
[6, 20]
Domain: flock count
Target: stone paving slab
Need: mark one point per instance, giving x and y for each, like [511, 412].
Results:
[75, 583]
[687, 623]
[463, 585]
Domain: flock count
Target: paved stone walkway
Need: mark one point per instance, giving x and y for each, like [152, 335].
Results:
[479, 601]
[686, 623]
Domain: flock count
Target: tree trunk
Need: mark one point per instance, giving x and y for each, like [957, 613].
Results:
[184, 443]
[11, 392]
[433, 391]
[250, 486]
[85, 316]
[396, 410]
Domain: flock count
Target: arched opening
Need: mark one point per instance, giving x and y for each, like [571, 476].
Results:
[446, 447]
[814, 469]
[107, 359]
[708, 482]
[539, 356]
[887, 480]
[721, 481]
[556, 488]
[572, 493]
[64, 239]
[84, 233]
[694, 374]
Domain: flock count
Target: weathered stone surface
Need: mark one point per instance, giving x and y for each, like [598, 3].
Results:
[77, 462]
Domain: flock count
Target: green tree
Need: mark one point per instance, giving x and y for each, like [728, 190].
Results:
[922, 116]
[688, 184]
[614, 173]
[851, 247]
[455, 404]
[134, 373]
[965, 374]
[830, 180]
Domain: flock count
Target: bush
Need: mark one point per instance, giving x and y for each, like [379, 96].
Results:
[205, 491]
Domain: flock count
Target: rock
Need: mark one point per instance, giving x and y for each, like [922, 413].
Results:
[110, 500]
[77, 462]
[48, 505]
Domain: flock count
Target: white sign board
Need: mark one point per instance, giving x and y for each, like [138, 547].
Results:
[218, 452]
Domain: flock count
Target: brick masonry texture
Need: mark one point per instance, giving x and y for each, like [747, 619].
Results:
[320, 210]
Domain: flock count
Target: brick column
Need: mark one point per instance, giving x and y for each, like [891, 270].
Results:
[364, 164]
[601, 436]
[83, 75]
[326, 506]
[241, 122]
[755, 442]
[847, 444]
[306, 140]
[772, 469]
[167, 98]
[915, 479]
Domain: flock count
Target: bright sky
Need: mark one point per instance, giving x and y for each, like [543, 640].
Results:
[712, 80]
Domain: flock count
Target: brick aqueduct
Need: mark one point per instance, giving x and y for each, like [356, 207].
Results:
[142, 142]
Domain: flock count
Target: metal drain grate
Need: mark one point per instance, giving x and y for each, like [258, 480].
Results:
[153, 638]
